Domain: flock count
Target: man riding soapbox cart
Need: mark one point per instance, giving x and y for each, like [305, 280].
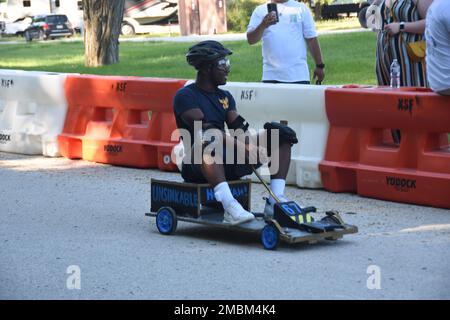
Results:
[224, 201]
[191, 202]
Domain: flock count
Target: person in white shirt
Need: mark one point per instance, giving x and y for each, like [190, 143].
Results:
[284, 43]
[437, 35]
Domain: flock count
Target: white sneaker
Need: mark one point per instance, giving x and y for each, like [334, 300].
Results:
[236, 214]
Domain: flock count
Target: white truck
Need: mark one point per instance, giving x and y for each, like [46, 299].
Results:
[140, 16]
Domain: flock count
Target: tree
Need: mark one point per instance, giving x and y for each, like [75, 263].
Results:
[318, 5]
[102, 24]
[318, 10]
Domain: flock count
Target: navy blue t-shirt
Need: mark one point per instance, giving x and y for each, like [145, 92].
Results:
[214, 106]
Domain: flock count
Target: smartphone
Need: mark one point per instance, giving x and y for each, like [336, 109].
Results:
[273, 7]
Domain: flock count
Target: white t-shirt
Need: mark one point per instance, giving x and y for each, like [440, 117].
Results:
[437, 35]
[283, 44]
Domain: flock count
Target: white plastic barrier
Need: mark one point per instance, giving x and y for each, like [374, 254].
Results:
[32, 111]
[303, 106]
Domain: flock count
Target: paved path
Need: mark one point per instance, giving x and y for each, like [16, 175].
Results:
[58, 213]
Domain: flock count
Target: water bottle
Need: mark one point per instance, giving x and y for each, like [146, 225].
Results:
[395, 74]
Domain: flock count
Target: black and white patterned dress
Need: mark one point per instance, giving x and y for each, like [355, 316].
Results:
[394, 47]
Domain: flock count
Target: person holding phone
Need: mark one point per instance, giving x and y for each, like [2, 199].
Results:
[287, 30]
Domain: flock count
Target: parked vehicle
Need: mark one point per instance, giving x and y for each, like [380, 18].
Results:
[13, 10]
[46, 27]
[17, 27]
[332, 9]
[140, 16]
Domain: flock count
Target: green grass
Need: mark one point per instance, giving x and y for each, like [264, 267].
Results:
[343, 23]
[349, 58]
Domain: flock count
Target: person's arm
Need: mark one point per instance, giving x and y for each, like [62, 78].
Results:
[192, 115]
[415, 26]
[232, 115]
[255, 35]
[310, 36]
[410, 27]
[196, 115]
[316, 53]
[254, 153]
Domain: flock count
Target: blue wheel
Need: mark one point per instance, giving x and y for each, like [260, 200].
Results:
[270, 237]
[166, 220]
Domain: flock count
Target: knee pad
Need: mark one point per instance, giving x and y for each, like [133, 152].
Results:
[286, 133]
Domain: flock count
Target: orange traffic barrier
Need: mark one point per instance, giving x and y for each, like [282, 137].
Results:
[361, 157]
[124, 121]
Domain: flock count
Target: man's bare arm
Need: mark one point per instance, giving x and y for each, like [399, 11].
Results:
[316, 53]
[255, 35]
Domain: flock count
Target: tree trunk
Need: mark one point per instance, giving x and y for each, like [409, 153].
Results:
[102, 24]
[318, 10]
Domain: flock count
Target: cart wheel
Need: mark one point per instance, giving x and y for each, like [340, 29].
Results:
[166, 220]
[331, 219]
[270, 237]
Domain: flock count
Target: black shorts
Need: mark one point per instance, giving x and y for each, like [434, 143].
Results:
[193, 172]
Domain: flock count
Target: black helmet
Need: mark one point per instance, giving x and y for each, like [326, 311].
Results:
[206, 52]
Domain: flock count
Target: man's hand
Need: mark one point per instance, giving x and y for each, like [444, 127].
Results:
[319, 74]
[269, 20]
[314, 48]
[255, 35]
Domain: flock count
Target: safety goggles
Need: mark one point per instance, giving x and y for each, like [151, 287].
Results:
[223, 64]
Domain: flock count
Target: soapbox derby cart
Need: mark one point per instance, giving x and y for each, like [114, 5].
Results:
[190, 202]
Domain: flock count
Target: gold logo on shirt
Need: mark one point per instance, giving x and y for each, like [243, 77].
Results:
[225, 103]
